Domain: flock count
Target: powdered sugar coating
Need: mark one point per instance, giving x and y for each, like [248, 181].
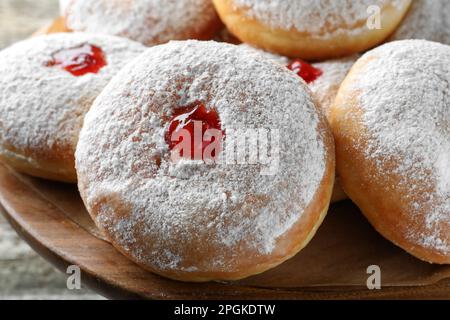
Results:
[63, 6]
[426, 20]
[147, 21]
[41, 107]
[320, 18]
[405, 97]
[268, 55]
[190, 216]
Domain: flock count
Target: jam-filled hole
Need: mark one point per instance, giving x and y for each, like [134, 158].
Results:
[304, 70]
[195, 132]
[79, 60]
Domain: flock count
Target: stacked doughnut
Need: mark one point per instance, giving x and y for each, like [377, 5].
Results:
[48, 83]
[148, 21]
[153, 136]
[312, 29]
[391, 122]
[188, 219]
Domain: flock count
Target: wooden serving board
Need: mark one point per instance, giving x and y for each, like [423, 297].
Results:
[52, 219]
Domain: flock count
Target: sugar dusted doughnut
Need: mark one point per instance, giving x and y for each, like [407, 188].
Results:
[150, 22]
[311, 29]
[426, 20]
[46, 85]
[187, 219]
[391, 123]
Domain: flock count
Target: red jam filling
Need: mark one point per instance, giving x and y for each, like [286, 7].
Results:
[79, 60]
[195, 119]
[304, 70]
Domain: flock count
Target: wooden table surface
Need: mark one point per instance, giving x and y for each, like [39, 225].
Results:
[23, 274]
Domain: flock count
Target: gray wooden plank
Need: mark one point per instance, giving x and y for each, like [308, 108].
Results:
[20, 18]
[25, 275]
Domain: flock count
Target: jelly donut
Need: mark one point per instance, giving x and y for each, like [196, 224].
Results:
[312, 29]
[426, 20]
[47, 84]
[391, 122]
[187, 218]
[150, 22]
